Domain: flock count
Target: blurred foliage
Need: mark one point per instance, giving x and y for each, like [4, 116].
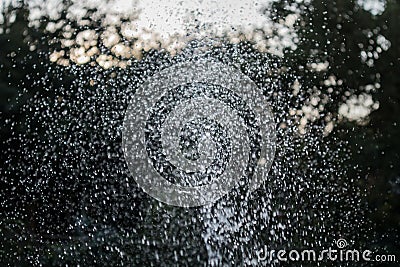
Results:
[338, 32]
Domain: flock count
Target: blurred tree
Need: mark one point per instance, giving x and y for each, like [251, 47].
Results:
[363, 53]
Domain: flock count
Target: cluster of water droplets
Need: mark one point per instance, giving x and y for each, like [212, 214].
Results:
[85, 208]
